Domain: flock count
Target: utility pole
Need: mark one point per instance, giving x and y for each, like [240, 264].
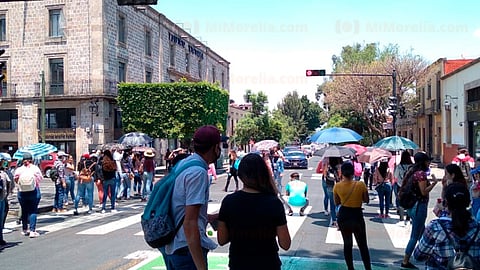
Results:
[42, 120]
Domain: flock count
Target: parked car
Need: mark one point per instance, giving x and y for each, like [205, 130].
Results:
[308, 150]
[296, 159]
[46, 163]
[287, 149]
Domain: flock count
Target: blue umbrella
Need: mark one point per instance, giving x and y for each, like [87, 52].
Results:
[5, 156]
[37, 150]
[394, 143]
[335, 135]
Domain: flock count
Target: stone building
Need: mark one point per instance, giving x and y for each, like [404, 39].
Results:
[64, 59]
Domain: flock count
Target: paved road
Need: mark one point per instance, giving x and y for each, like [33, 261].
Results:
[314, 245]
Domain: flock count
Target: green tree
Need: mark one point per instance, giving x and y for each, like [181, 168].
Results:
[259, 102]
[293, 107]
[368, 96]
[172, 110]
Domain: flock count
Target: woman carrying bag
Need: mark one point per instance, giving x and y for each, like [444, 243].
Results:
[350, 195]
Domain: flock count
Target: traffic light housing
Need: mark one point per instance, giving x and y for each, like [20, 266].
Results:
[315, 72]
[402, 111]
[392, 105]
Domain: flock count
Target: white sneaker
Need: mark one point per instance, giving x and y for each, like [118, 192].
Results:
[114, 211]
[34, 234]
[103, 211]
[326, 213]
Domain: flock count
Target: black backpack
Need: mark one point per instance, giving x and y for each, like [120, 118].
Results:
[54, 174]
[461, 260]
[408, 193]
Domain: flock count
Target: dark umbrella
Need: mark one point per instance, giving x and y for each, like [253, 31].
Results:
[334, 151]
[135, 139]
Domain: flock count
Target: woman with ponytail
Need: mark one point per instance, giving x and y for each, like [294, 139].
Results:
[435, 246]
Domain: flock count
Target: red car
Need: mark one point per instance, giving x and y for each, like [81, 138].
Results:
[46, 163]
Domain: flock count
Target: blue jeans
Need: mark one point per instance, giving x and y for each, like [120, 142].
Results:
[147, 180]
[125, 184]
[278, 180]
[325, 195]
[418, 215]
[333, 211]
[137, 183]
[70, 189]
[2, 215]
[181, 259]
[29, 202]
[106, 185]
[85, 191]
[384, 192]
[59, 193]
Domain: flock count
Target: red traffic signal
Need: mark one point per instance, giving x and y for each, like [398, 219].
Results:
[315, 72]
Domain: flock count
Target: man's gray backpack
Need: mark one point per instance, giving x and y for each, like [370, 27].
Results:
[158, 222]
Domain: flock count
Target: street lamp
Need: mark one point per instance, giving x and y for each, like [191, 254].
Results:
[93, 107]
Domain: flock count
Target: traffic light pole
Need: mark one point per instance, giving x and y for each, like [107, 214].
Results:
[321, 72]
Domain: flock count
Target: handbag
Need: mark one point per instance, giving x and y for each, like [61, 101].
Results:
[85, 174]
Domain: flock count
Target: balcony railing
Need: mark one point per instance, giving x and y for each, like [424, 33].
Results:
[68, 88]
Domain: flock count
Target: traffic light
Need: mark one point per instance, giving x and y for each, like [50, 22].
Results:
[392, 105]
[136, 2]
[315, 72]
[402, 111]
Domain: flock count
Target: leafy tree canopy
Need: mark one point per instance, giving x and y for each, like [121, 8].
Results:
[172, 110]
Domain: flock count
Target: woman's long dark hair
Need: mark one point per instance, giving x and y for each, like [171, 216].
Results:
[254, 174]
[383, 168]
[406, 158]
[458, 209]
[457, 172]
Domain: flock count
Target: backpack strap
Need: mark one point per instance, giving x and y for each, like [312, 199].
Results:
[452, 241]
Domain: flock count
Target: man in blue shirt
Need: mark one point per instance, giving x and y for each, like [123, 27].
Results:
[296, 191]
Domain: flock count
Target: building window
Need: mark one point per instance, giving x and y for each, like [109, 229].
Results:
[122, 72]
[223, 80]
[213, 74]
[148, 76]
[148, 43]
[3, 27]
[8, 119]
[429, 91]
[199, 69]
[3, 85]
[57, 118]
[56, 76]
[56, 25]
[172, 55]
[121, 29]
[187, 62]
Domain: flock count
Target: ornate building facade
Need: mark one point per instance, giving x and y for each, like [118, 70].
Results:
[64, 59]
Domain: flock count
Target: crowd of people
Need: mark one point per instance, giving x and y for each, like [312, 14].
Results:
[253, 218]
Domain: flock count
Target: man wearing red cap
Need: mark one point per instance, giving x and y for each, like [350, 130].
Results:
[190, 200]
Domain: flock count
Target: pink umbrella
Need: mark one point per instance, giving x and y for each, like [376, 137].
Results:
[359, 149]
[373, 155]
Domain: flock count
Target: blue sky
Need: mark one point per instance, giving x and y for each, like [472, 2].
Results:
[270, 44]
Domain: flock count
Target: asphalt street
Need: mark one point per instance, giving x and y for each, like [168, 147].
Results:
[315, 245]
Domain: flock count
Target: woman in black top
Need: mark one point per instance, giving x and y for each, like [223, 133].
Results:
[252, 219]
